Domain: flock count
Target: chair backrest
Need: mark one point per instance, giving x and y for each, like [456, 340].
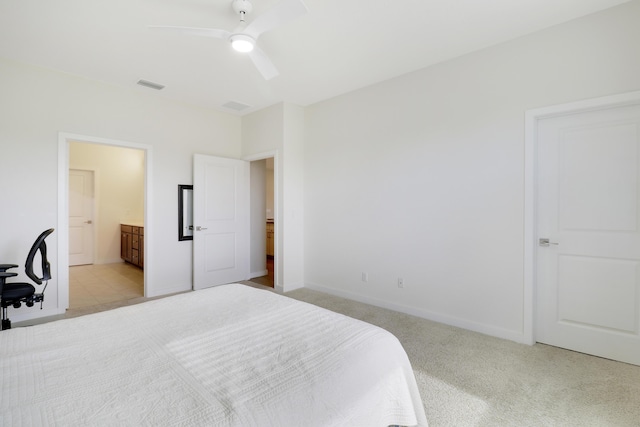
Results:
[39, 245]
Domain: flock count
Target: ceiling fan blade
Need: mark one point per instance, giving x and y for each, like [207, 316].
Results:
[280, 14]
[263, 63]
[206, 32]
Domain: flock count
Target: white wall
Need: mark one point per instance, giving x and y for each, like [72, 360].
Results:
[292, 225]
[421, 177]
[36, 104]
[119, 192]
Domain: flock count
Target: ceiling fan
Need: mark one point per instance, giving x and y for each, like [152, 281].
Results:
[243, 38]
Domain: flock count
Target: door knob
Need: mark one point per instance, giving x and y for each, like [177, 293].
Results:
[544, 241]
[198, 228]
[88, 222]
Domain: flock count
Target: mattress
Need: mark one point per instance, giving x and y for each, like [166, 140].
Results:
[225, 356]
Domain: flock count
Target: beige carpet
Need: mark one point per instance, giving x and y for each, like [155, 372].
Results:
[469, 379]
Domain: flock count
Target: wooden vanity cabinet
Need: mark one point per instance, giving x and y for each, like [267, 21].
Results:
[270, 238]
[132, 244]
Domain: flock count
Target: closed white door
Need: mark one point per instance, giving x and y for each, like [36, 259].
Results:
[81, 202]
[221, 221]
[588, 188]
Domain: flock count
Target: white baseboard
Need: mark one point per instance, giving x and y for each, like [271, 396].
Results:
[23, 315]
[493, 331]
[288, 287]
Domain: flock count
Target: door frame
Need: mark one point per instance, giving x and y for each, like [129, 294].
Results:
[276, 210]
[532, 117]
[63, 210]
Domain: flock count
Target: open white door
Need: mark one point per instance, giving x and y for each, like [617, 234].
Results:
[81, 202]
[588, 258]
[221, 221]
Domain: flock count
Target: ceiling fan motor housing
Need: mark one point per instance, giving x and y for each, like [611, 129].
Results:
[242, 6]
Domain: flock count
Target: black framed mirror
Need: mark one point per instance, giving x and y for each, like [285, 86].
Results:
[185, 212]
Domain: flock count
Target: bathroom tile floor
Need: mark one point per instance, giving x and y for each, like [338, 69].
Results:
[104, 283]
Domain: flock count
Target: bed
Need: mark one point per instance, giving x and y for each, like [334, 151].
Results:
[231, 355]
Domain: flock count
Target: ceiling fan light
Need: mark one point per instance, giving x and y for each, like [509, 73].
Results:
[242, 43]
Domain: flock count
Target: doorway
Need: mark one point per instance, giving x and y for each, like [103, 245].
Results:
[121, 173]
[224, 251]
[118, 201]
[263, 222]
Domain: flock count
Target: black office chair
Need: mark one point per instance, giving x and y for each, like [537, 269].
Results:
[16, 293]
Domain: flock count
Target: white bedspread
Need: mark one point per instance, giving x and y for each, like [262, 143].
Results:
[225, 356]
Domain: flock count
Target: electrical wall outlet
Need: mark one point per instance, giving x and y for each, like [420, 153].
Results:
[365, 277]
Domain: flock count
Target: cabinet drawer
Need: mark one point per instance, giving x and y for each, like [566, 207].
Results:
[135, 257]
[135, 230]
[135, 241]
[125, 228]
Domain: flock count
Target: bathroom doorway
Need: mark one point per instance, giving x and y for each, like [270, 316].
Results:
[99, 210]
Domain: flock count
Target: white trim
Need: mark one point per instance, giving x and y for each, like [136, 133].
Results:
[276, 212]
[261, 156]
[27, 316]
[532, 117]
[63, 213]
[63, 224]
[424, 314]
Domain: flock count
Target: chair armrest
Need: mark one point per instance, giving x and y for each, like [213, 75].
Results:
[4, 275]
[3, 278]
[5, 267]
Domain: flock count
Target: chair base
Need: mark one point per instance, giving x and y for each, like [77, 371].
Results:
[6, 323]
[29, 301]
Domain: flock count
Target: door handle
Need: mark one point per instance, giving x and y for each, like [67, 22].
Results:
[544, 241]
[88, 222]
[198, 228]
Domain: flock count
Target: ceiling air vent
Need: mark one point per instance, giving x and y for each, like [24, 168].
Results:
[150, 85]
[236, 106]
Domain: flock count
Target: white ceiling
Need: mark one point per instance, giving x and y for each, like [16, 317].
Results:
[339, 46]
